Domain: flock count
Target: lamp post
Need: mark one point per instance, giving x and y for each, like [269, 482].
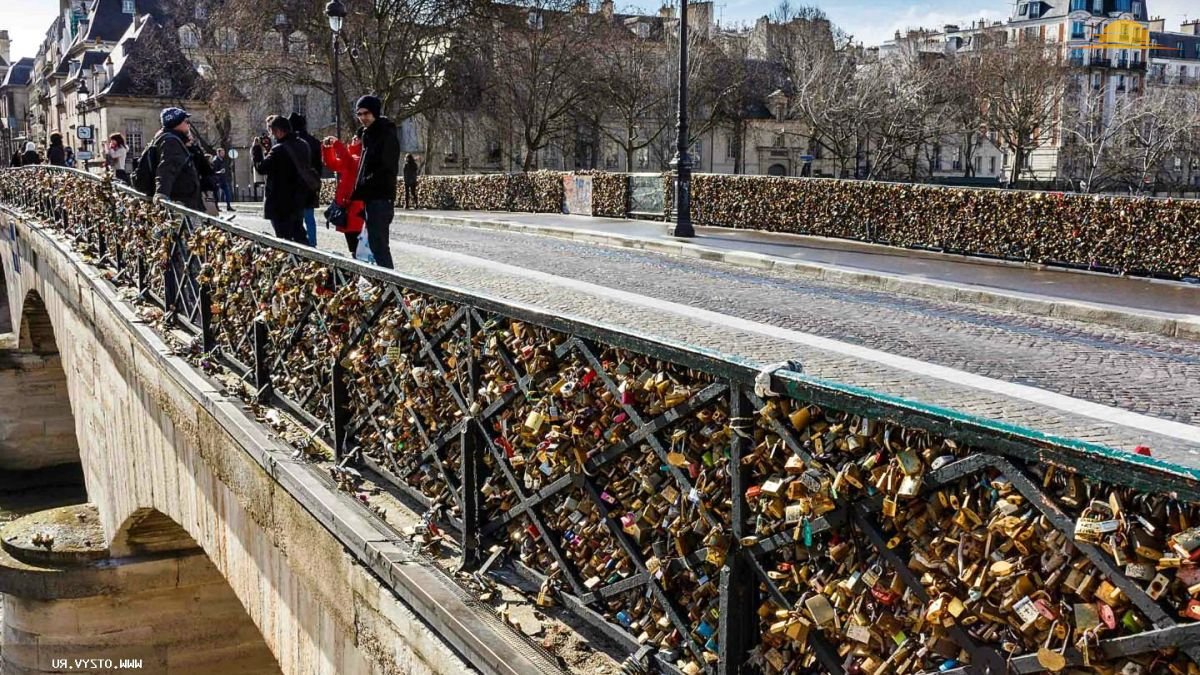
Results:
[683, 159]
[336, 12]
[81, 108]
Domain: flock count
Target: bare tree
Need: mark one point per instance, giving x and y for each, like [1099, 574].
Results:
[541, 70]
[630, 90]
[1096, 133]
[1165, 125]
[966, 110]
[1022, 86]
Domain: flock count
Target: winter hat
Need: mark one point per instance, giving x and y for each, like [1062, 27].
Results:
[371, 103]
[172, 117]
[30, 146]
[299, 123]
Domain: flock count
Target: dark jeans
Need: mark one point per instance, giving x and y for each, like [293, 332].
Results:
[379, 219]
[352, 242]
[223, 190]
[410, 191]
[291, 228]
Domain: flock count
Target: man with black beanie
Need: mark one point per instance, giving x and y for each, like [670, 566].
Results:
[300, 130]
[377, 175]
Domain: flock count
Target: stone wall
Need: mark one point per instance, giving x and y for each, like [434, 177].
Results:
[155, 435]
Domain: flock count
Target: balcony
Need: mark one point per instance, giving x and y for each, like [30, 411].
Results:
[1076, 61]
[1101, 63]
[1078, 36]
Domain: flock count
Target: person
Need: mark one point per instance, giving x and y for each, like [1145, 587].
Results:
[344, 161]
[15, 161]
[300, 128]
[56, 154]
[410, 181]
[221, 171]
[204, 171]
[70, 159]
[285, 195]
[176, 177]
[377, 175]
[115, 154]
[31, 155]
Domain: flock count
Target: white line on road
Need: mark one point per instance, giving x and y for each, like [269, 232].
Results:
[1103, 413]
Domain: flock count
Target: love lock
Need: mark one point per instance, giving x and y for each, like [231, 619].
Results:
[985, 661]
[1051, 660]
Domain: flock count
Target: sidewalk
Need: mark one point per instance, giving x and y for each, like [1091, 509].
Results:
[1165, 307]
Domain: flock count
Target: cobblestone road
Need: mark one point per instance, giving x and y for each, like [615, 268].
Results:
[1143, 373]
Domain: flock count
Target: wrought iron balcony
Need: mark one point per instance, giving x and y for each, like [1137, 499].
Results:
[670, 495]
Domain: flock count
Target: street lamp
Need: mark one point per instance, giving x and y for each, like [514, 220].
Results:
[683, 159]
[83, 93]
[336, 12]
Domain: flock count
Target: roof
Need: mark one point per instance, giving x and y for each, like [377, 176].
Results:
[1051, 9]
[107, 21]
[1169, 42]
[145, 54]
[19, 74]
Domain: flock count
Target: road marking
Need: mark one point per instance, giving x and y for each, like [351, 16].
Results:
[1107, 414]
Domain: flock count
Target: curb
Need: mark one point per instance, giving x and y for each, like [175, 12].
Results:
[1181, 326]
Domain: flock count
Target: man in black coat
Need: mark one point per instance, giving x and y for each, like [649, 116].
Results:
[285, 194]
[300, 128]
[377, 175]
[56, 154]
[175, 176]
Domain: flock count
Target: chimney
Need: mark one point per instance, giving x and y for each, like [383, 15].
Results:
[1190, 27]
[666, 12]
[606, 9]
[5, 46]
[1158, 24]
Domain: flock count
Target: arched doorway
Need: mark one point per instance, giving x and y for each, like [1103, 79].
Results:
[777, 170]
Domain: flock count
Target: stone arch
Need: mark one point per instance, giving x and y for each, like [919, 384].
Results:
[5, 312]
[37, 430]
[37, 332]
[206, 629]
[777, 170]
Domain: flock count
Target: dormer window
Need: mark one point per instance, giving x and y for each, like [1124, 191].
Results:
[643, 30]
[201, 13]
[280, 19]
[128, 6]
[535, 19]
[164, 86]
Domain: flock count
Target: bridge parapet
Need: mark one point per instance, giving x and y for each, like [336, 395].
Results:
[679, 498]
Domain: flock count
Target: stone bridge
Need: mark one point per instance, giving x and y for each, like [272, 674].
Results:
[220, 552]
[222, 395]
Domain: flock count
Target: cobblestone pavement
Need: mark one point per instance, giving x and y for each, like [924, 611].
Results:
[1141, 373]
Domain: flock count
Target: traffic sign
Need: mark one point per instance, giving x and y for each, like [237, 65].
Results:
[84, 133]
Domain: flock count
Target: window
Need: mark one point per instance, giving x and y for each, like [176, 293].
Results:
[1097, 6]
[1077, 30]
[992, 164]
[133, 137]
[937, 158]
[128, 6]
[227, 39]
[1035, 10]
[780, 141]
[281, 19]
[1078, 5]
[1024, 10]
[298, 44]
[300, 104]
[188, 37]
[536, 21]
[201, 13]
[272, 41]
[731, 149]
[643, 30]
[164, 86]
[978, 165]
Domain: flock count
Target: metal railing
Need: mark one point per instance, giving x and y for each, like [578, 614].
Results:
[708, 516]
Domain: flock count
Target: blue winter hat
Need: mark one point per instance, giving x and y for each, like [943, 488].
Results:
[172, 117]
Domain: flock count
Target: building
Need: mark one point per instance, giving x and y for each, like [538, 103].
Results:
[14, 101]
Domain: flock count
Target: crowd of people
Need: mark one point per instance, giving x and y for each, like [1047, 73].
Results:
[367, 168]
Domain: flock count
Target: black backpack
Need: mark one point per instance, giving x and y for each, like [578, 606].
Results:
[146, 170]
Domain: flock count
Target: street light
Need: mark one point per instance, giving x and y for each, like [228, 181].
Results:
[683, 159]
[336, 12]
[83, 93]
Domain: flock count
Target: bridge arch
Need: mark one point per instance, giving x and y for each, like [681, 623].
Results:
[37, 426]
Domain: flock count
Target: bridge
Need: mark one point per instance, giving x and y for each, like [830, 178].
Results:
[297, 463]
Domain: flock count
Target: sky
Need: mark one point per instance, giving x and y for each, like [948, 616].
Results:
[869, 21]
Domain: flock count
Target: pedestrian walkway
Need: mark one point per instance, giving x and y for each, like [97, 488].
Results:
[1019, 281]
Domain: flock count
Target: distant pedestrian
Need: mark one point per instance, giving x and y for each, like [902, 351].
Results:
[15, 160]
[221, 171]
[171, 163]
[115, 154]
[31, 155]
[410, 181]
[56, 154]
[300, 128]
[377, 176]
[285, 195]
[70, 160]
[344, 161]
[204, 171]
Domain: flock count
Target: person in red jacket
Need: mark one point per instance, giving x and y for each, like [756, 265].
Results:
[344, 161]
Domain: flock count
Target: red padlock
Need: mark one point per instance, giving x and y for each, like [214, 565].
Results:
[1192, 611]
[1106, 615]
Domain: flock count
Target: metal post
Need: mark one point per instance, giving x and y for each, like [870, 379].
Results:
[337, 89]
[208, 338]
[737, 587]
[470, 449]
[341, 410]
[683, 159]
[262, 363]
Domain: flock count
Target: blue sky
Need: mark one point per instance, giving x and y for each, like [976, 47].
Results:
[870, 21]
